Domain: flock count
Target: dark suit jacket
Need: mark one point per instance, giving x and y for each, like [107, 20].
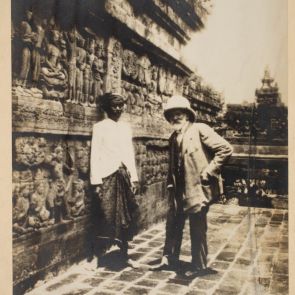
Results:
[202, 150]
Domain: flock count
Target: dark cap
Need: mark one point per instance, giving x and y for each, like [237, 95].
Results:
[109, 98]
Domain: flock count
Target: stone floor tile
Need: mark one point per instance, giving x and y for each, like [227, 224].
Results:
[179, 281]
[77, 292]
[232, 247]
[147, 236]
[171, 288]
[226, 290]
[54, 287]
[249, 254]
[155, 244]
[270, 244]
[241, 267]
[136, 255]
[204, 284]
[144, 249]
[214, 277]
[226, 256]
[159, 275]
[137, 291]
[280, 268]
[67, 280]
[223, 265]
[102, 292]
[258, 284]
[195, 292]
[105, 274]
[213, 248]
[128, 276]
[93, 282]
[235, 279]
[114, 286]
[138, 241]
[147, 283]
[154, 231]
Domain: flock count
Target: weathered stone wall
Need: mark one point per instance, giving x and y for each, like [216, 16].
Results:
[65, 56]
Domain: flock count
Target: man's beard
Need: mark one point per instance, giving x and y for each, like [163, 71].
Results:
[178, 125]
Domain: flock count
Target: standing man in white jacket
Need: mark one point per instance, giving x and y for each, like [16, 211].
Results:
[113, 173]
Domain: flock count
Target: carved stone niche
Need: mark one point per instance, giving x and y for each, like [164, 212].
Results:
[30, 151]
[114, 66]
[130, 65]
[152, 161]
[22, 188]
[82, 159]
[76, 201]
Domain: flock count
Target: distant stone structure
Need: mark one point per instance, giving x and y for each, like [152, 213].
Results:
[258, 131]
[266, 119]
[65, 55]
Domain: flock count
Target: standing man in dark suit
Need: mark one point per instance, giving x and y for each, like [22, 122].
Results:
[196, 154]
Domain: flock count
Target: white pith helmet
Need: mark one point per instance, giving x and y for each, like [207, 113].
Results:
[179, 102]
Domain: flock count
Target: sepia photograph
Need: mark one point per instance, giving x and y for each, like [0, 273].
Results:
[149, 147]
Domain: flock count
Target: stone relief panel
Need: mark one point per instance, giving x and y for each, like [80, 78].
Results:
[114, 65]
[147, 87]
[204, 100]
[50, 182]
[54, 64]
[152, 161]
[51, 178]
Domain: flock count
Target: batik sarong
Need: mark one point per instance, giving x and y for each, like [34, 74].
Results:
[117, 208]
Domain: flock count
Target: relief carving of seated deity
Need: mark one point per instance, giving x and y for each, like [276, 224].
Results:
[21, 193]
[39, 215]
[77, 201]
[53, 75]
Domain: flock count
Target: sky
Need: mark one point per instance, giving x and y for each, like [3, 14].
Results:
[241, 38]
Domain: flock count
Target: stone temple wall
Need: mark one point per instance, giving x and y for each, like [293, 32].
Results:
[65, 55]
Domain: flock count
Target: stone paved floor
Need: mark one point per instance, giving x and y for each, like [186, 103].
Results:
[248, 247]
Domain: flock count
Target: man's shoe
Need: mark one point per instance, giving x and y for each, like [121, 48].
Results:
[164, 265]
[133, 263]
[199, 272]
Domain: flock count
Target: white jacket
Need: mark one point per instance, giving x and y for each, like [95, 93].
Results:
[110, 147]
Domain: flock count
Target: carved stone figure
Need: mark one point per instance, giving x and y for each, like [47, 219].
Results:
[27, 38]
[36, 54]
[82, 161]
[53, 75]
[59, 187]
[71, 38]
[170, 85]
[114, 66]
[21, 193]
[162, 80]
[39, 215]
[77, 201]
[87, 74]
[97, 72]
[30, 151]
[144, 75]
[130, 64]
[80, 67]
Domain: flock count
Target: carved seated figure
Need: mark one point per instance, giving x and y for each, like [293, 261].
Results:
[53, 75]
[21, 194]
[39, 215]
[77, 201]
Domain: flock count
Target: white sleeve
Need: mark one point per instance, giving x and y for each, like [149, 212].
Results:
[95, 157]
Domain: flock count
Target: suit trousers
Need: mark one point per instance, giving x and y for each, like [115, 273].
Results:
[198, 234]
